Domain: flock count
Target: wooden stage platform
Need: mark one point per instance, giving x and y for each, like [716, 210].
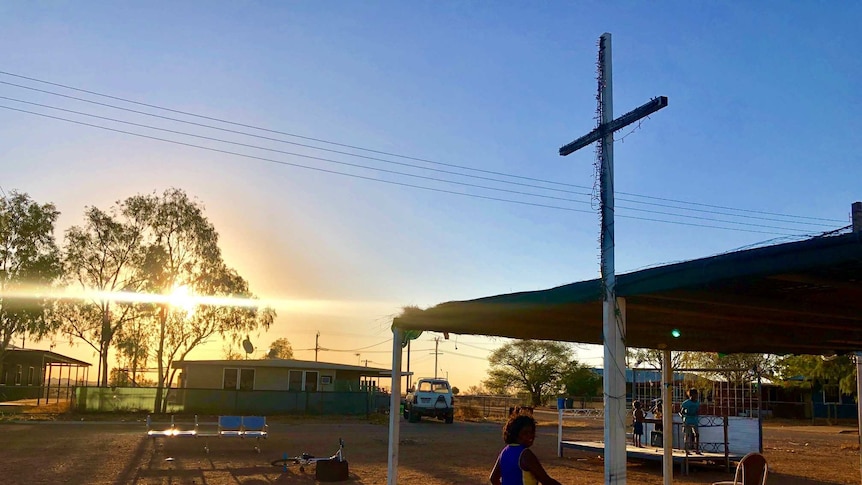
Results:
[656, 454]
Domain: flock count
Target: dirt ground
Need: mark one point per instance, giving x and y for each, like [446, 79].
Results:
[75, 451]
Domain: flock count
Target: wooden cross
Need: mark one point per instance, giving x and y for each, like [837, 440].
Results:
[613, 318]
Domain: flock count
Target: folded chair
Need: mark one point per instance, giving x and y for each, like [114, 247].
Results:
[751, 470]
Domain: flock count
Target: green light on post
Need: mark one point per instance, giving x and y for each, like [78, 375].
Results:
[675, 333]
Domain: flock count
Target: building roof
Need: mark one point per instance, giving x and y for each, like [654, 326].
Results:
[795, 298]
[285, 364]
[49, 357]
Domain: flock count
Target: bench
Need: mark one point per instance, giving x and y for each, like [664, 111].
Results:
[225, 427]
[173, 430]
[239, 427]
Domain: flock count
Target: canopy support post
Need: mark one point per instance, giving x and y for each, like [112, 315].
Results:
[394, 405]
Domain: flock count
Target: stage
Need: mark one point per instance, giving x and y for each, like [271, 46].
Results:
[656, 454]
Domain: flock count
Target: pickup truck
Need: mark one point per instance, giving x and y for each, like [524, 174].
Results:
[430, 397]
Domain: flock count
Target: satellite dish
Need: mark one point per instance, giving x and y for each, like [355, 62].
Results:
[246, 344]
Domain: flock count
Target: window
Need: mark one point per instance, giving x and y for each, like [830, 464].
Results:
[31, 373]
[246, 380]
[18, 372]
[294, 380]
[299, 380]
[831, 394]
[325, 380]
[242, 379]
[311, 381]
[230, 378]
[441, 387]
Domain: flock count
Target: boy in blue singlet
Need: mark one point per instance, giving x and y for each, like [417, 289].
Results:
[689, 410]
[517, 464]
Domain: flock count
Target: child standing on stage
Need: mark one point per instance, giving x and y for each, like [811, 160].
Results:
[638, 418]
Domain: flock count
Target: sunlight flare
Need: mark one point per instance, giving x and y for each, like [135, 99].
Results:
[182, 298]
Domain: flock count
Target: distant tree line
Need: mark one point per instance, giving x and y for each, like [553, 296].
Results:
[542, 370]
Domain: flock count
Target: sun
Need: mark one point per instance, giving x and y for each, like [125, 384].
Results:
[181, 298]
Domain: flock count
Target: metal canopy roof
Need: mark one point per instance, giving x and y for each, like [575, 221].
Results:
[796, 298]
[48, 356]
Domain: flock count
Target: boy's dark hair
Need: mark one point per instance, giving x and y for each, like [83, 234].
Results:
[637, 404]
[514, 425]
[692, 393]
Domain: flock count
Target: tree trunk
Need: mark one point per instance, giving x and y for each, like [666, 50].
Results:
[104, 345]
[160, 385]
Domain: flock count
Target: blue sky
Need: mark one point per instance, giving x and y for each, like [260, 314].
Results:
[762, 117]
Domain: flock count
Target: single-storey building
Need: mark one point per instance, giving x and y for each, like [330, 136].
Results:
[279, 386]
[278, 375]
[39, 374]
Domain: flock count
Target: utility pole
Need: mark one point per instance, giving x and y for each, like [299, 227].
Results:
[436, 353]
[613, 319]
[409, 377]
[855, 218]
[316, 345]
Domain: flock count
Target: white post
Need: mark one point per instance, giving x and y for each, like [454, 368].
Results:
[613, 321]
[559, 432]
[667, 416]
[394, 405]
[859, 403]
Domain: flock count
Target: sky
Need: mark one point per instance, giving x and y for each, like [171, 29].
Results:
[436, 175]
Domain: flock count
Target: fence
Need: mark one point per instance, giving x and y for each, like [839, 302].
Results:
[490, 407]
[219, 401]
[43, 394]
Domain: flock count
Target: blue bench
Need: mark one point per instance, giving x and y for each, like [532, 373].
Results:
[239, 427]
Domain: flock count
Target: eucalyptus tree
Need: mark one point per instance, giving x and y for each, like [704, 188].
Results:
[280, 349]
[100, 258]
[734, 368]
[181, 252]
[835, 369]
[534, 366]
[29, 262]
[636, 357]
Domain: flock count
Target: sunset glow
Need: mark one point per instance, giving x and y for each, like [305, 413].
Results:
[182, 298]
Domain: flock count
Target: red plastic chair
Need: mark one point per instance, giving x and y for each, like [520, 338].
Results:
[751, 470]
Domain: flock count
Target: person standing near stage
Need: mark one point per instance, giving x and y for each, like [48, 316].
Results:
[638, 417]
[689, 410]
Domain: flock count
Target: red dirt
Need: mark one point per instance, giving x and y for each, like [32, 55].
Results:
[431, 453]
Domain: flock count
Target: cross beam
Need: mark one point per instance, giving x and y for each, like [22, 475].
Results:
[636, 114]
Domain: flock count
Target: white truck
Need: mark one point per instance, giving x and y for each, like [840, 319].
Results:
[431, 397]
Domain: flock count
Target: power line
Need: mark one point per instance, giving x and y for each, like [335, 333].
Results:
[354, 147]
[394, 162]
[363, 177]
[282, 162]
[758, 225]
[304, 145]
[176, 132]
[294, 135]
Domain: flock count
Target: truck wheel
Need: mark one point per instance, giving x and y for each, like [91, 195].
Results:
[450, 418]
[406, 413]
[414, 417]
